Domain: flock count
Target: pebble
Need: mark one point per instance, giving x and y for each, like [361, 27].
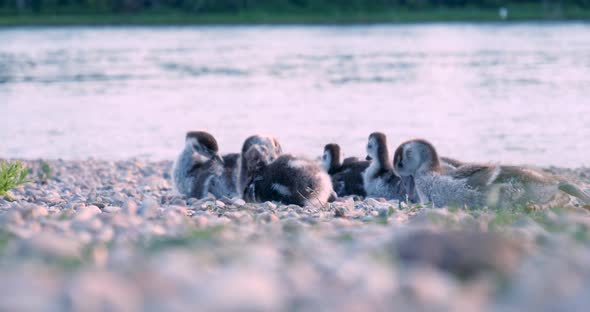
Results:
[102, 291]
[87, 212]
[340, 212]
[267, 217]
[12, 216]
[371, 202]
[112, 209]
[81, 225]
[52, 245]
[130, 207]
[35, 211]
[149, 208]
[239, 202]
[270, 205]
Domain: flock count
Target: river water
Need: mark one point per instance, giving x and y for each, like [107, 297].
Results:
[513, 93]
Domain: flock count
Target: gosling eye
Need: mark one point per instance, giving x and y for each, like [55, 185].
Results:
[324, 157]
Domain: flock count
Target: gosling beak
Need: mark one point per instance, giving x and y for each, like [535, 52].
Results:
[368, 158]
[218, 158]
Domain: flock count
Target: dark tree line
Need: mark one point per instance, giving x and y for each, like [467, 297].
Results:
[235, 6]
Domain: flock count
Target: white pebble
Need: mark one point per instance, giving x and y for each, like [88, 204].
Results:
[87, 212]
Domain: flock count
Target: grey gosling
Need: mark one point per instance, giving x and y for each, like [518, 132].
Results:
[479, 185]
[199, 170]
[347, 175]
[379, 179]
[272, 149]
[288, 179]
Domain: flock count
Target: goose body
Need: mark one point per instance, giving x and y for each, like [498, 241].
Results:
[288, 179]
[199, 170]
[379, 179]
[479, 184]
[347, 175]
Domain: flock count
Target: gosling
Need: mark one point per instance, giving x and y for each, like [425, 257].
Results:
[479, 185]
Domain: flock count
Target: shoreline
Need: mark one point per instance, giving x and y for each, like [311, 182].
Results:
[401, 16]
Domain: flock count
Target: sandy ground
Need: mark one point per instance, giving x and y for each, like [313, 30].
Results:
[114, 236]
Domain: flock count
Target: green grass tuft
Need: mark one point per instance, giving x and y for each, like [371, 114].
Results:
[12, 174]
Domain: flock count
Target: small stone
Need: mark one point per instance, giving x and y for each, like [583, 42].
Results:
[201, 221]
[12, 216]
[105, 234]
[342, 222]
[340, 212]
[239, 202]
[102, 291]
[99, 205]
[208, 205]
[87, 212]
[372, 202]
[99, 255]
[226, 200]
[267, 217]
[117, 199]
[428, 287]
[175, 210]
[130, 207]
[53, 245]
[270, 205]
[347, 203]
[90, 225]
[112, 209]
[34, 211]
[193, 201]
[149, 208]
[177, 201]
[52, 198]
[219, 204]
[157, 229]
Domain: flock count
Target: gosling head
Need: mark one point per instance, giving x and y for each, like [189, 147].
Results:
[377, 148]
[204, 144]
[414, 157]
[332, 157]
[273, 147]
[255, 160]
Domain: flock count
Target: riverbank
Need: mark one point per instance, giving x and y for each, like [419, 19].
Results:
[514, 13]
[114, 235]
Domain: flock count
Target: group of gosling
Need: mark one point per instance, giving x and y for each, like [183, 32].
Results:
[417, 174]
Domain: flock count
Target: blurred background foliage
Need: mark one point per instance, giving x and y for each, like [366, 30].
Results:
[269, 6]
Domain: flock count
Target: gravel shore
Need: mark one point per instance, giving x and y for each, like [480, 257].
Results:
[115, 236]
